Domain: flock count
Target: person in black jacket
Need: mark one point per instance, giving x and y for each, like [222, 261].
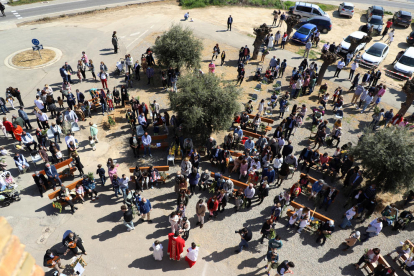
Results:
[41, 182]
[229, 22]
[328, 197]
[314, 160]
[135, 144]
[216, 156]
[51, 259]
[289, 125]
[305, 156]
[326, 229]
[240, 76]
[262, 191]
[287, 149]
[265, 229]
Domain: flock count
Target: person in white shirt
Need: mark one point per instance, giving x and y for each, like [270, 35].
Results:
[56, 130]
[104, 79]
[70, 115]
[277, 162]
[308, 46]
[128, 63]
[44, 119]
[28, 140]
[48, 90]
[373, 229]
[142, 121]
[348, 216]
[339, 67]
[156, 111]
[146, 141]
[249, 194]
[192, 254]
[39, 103]
[354, 66]
[157, 253]
[69, 138]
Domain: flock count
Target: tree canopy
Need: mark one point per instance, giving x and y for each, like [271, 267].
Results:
[205, 104]
[178, 47]
[388, 158]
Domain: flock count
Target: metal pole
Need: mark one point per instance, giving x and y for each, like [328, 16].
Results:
[39, 54]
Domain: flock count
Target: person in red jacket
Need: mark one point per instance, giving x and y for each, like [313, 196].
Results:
[9, 126]
[387, 27]
[295, 191]
[212, 205]
[394, 121]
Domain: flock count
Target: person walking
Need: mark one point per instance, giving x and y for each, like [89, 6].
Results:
[128, 217]
[223, 57]
[387, 27]
[229, 22]
[351, 240]
[308, 47]
[245, 235]
[201, 212]
[339, 67]
[275, 17]
[282, 18]
[135, 144]
[115, 42]
[192, 254]
[348, 216]
[145, 209]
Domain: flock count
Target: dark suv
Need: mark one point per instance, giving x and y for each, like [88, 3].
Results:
[323, 23]
[375, 10]
[402, 18]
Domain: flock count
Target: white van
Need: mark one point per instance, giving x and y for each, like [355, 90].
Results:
[302, 9]
[405, 63]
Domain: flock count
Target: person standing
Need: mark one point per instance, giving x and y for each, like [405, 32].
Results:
[150, 74]
[282, 18]
[146, 141]
[176, 246]
[101, 172]
[352, 240]
[348, 216]
[249, 194]
[275, 17]
[240, 76]
[145, 209]
[157, 251]
[223, 57]
[308, 47]
[339, 67]
[104, 79]
[115, 42]
[229, 22]
[128, 217]
[201, 212]
[192, 254]
[245, 235]
[93, 128]
[376, 76]
[135, 144]
[354, 66]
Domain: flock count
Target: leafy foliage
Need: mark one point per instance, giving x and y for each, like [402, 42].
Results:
[388, 157]
[205, 104]
[178, 47]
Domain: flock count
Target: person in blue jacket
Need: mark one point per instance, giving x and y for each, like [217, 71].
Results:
[145, 209]
[89, 186]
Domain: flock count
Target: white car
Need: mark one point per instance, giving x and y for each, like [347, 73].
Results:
[346, 43]
[347, 9]
[375, 54]
[405, 63]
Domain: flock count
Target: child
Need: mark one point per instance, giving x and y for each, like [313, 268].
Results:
[185, 228]
[192, 255]
[80, 192]
[292, 220]
[158, 253]
[303, 223]
[79, 75]
[92, 142]
[60, 101]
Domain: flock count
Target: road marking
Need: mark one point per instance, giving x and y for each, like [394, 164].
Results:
[151, 26]
[135, 34]
[13, 11]
[122, 37]
[136, 39]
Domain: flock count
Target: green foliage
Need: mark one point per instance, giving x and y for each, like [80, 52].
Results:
[388, 12]
[111, 121]
[388, 157]
[205, 104]
[178, 47]
[326, 7]
[23, 2]
[277, 4]
[90, 176]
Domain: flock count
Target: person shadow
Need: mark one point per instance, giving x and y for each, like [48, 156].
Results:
[147, 263]
[109, 234]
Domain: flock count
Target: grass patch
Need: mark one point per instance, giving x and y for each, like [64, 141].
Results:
[250, 35]
[276, 4]
[312, 54]
[326, 7]
[388, 12]
[23, 2]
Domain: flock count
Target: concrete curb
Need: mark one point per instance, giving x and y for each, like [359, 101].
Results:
[9, 64]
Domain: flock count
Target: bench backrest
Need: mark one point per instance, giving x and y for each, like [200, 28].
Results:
[265, 120]
[235, 182]
[159, 168]
[313, 180]
[71, 186]
[316, 215]
[382, 261]
[58, 166]
[251, 134]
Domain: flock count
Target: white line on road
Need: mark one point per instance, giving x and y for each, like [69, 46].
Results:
[122, 36]
[151, 26]
[48, 5]
[13, 11]
[136, 39]
[135, 34]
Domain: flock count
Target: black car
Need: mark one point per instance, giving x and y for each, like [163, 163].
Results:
[402, 18]
[410, 38]
[323, 23]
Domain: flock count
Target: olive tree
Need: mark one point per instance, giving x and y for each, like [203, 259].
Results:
[205, 104]
[178, 47]
[387, 155]
[408, 89]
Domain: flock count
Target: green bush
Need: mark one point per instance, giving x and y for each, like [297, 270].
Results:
[276, 4]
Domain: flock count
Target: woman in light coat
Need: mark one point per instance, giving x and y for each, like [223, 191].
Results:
[271, 41]
[201, 212]
[186, 167]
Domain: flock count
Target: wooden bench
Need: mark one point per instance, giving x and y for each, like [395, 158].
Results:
[263, 119]
[247, 133]
[371, 266]
[312, 181]
[70, 187]
[157, 137]
[61, 165]
[405, 256]
[159, 168]
[163, 145]
[235, 182]
[316, 215]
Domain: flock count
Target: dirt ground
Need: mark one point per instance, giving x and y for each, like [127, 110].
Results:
[32, 58]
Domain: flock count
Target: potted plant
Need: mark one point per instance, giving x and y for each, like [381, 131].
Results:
[90, 176]
[57, 205]
[111, 121]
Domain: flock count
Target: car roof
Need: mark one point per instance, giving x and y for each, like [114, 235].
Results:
[405, 13]
[358, 34]
[309, 26]
[321, 17]
[377, 8]
[306, 4]
[379, 45]
[376, 17]
[409, 52]
[348, 4]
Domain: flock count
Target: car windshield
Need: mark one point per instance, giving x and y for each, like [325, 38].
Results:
[348, 7]
[375, 21]
[378, 12]
[406, 17]
[409, 61]
[303, 30]
[321, 11]
[348, 39]
[375, 51]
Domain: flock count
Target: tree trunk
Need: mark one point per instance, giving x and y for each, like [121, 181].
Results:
[322, 72]
[406, 105]
[257, 43]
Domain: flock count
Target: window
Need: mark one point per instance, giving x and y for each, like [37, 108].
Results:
[303, 9]
[315, 11]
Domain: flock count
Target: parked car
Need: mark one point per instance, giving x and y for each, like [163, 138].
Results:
[323, 23]
[405, 63]
[346, 43]
[402, 18]
[302, 9]
[375, 10]
[304, 33]
[410, 38]
[347, 9]
[375, 54]
[375, 21]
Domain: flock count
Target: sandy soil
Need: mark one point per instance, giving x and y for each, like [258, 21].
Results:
[31, 58]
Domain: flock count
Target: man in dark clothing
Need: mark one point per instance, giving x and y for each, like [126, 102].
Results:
[246, 52]
[229, 22]
[135, 144]
[41, 182]
[246, 236]
[324, 230]
[69, 70]
[287, 150]
[332, 48]
[240, 77]
[289, 126]
[305, 155]
[16, 93]
[376, 77]
[128, 216]
[329, 197]
[170, 75]
[101, 172]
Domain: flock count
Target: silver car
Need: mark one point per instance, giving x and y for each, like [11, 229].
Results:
[347, 9]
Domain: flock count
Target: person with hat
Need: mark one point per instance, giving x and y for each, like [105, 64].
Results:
[351, 241]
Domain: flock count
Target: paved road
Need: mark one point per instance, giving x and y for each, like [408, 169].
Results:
[20, 13]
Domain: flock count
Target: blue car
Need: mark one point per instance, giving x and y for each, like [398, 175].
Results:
[304, 33]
